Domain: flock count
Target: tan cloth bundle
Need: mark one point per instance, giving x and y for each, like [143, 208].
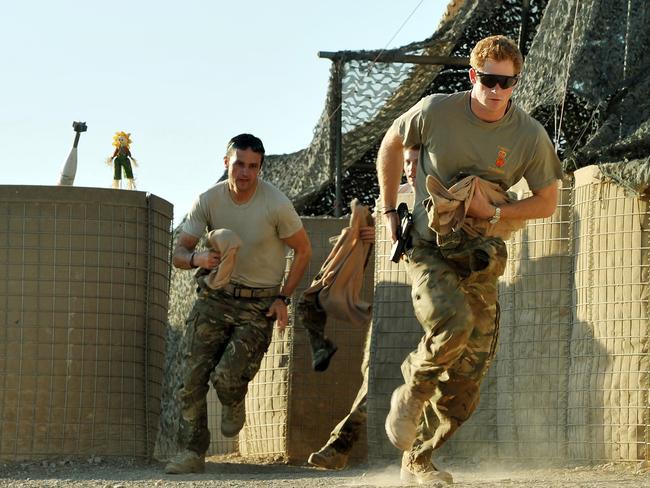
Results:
[227, 243]
[447, 208]
[339, 281]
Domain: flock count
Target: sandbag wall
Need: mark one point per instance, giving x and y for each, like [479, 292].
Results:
[571, 377]
[84, 277]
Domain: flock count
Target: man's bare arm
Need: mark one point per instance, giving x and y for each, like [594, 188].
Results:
[184, 253]
[541, 204]
[389, 172]
[301, 246]
[389, 167]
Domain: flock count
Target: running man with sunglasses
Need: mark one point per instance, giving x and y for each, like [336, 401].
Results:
[454, 278]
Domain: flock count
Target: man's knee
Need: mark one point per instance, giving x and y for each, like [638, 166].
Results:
[239, 364]
[434, 306]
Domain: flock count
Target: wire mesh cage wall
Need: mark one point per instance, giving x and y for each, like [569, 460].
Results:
[533, 357]
[83, 302]
[609, 377]
[290, 408]
[571, 377]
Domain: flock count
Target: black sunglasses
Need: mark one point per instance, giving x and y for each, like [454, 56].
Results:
[490, 81]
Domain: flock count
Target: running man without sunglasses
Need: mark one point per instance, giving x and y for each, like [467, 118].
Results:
[454, 278]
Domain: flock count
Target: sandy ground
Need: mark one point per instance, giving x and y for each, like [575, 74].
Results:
[236, 473]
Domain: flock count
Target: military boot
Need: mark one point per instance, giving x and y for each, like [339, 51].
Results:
[404, 417]
[321, 357]
[186, 462]
[233, 418]
[328, 458]
[314, 319]
[421, 470]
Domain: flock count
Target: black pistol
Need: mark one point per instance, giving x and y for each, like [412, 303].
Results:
[403, 232]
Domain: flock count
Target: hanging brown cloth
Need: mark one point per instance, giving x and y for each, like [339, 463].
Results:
[339, 281]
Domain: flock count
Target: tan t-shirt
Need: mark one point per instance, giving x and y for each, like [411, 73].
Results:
[456, 143]
[261, 223]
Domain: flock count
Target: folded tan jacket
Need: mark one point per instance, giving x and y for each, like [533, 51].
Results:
[339, 281]
[447, 208]
[227, 243]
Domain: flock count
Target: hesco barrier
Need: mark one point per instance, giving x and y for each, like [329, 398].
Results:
[84, 285]
[609, 375]
[571, 378]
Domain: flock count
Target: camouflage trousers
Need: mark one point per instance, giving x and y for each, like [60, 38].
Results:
[313, 318]
[454, 293]
[348, 430]
[224, 342]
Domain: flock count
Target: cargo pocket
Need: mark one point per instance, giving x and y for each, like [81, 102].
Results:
[477, 259]
[190, 330]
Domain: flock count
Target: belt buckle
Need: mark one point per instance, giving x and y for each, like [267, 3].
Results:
[243, 292]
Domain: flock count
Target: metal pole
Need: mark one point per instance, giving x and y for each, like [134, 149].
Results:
[394, 57]
[336, 162]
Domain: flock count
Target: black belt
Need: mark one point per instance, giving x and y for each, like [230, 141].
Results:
[240, 291]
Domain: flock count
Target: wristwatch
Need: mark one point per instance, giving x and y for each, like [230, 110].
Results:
[284, 298]
[496, 217]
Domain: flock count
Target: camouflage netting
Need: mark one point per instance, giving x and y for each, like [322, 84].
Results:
[583, 79]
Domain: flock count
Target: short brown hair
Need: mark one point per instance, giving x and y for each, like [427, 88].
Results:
[246, 141]
[496, 48]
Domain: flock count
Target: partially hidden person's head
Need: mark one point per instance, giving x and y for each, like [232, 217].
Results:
[243, 161]
[411, 158]
[496, 63]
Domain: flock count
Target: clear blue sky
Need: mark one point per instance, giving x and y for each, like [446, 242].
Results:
[182, 77]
